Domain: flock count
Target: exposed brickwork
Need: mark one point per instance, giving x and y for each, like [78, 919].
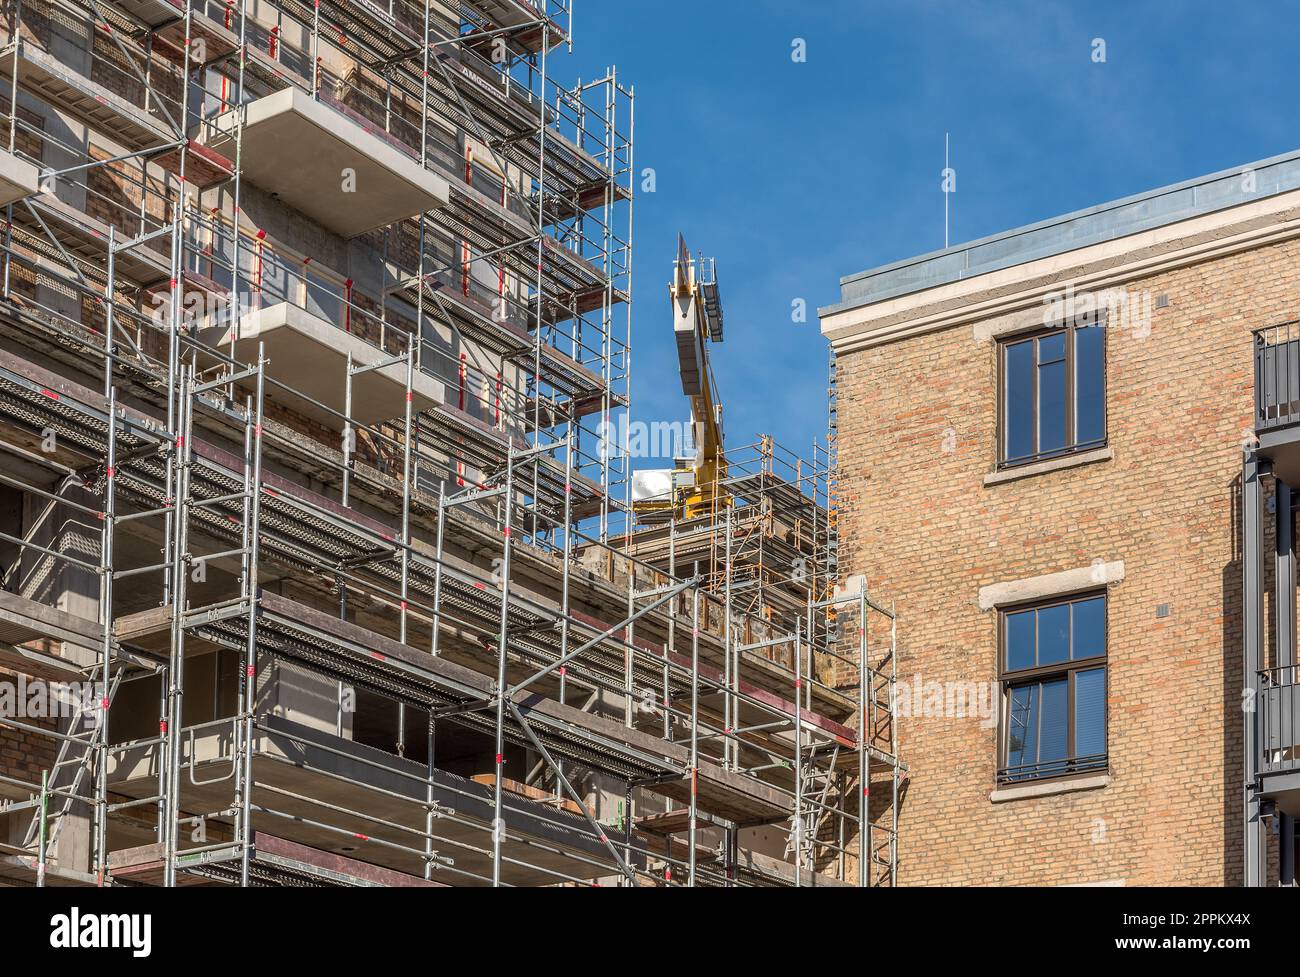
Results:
[119, 192]
[918, 422]
[24, 755]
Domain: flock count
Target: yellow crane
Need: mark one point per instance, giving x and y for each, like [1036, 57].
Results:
[695, 486]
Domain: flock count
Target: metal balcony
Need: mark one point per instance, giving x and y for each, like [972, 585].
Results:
[1277, 398]
[1278, 707]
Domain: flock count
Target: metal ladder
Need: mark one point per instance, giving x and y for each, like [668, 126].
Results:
[814, 781]
[83, 762]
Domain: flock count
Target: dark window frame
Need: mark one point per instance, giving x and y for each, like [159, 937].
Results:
[1072, 446]
[1072, 766]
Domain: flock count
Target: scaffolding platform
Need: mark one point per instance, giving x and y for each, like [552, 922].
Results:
[153, 13]
[22, 870]
[43, 75]
[532, 29]
[317, 790]
[23, 621]
[272, 861]
[290, 631]
[81, 236]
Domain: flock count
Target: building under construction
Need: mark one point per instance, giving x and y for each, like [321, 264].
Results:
[317, 567]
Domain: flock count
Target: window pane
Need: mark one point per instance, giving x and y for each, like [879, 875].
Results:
[1053, 634]
[1020, 640]
[1054, 727]
[1090, 404]
[1022, 727]
[1019, 409]
[1090, 712]
[1051, 349]
[1051, 404]
[1089, 628]
[324, 298]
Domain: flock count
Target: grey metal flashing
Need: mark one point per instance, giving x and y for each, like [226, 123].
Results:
[1069, 232]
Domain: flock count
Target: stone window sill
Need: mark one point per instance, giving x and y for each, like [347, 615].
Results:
[1052, 465]
[1049, 788]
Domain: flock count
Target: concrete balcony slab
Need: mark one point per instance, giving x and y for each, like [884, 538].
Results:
[18, 178]
[309, 355]
[326, 165]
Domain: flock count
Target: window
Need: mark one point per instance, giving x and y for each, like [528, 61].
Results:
[1053, 674]
[1053, 393]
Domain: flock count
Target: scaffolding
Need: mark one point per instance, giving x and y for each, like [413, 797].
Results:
[352, 535]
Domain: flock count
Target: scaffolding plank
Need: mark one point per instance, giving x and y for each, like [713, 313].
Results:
[23, 620]
[272, 857]
[44, 75]
[309, 768]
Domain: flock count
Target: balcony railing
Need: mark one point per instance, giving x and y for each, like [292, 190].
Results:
[1279, 719]
[1277, 376]
[1043, 769]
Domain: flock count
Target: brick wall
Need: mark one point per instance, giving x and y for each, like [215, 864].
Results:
[24, 755]
[918, 422]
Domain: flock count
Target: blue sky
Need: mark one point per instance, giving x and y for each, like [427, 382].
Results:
[794, 175]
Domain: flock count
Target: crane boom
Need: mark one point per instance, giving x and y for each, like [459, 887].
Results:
[697, 323]
[695, 487]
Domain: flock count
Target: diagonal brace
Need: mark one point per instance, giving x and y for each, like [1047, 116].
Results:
[559, 774]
